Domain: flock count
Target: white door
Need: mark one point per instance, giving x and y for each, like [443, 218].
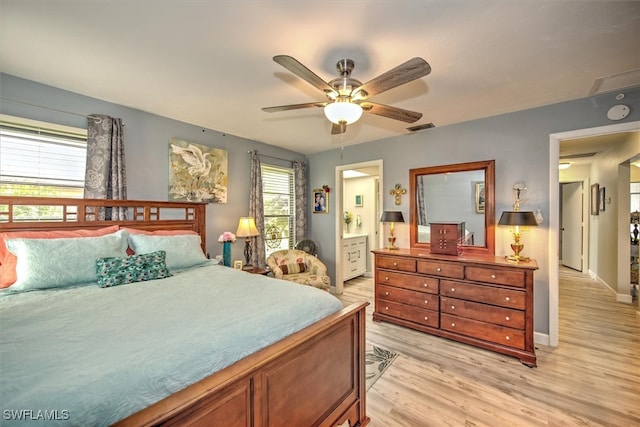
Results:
[571, 226]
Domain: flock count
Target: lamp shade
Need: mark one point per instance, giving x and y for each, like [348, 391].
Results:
[525, 218]
[392, 216]
[343, 111]
[247, 227]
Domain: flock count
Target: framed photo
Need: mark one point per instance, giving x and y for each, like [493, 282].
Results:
[479, 196]
[358, 200]
[320, 201]
[237, 265]
[601, 199]
[595, 199]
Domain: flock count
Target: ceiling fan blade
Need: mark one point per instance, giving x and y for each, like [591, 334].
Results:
[294, 107]
[403, 73]
[337, 129]
[293, 65]
[391, 112]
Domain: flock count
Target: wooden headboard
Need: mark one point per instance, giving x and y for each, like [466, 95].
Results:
[69, 214]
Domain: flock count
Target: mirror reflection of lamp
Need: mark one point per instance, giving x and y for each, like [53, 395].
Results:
[392, 217]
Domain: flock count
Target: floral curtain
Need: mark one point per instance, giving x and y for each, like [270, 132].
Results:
[300, 186]
[105, 176]
[256, 210]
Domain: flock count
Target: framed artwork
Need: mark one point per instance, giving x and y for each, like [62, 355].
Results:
[595, 199]
[601, 199]
[479, 196]
[358, 200]
[197, 173]
[237, 265]
[320, 201]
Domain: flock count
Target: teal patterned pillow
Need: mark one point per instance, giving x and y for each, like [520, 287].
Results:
[116, 271]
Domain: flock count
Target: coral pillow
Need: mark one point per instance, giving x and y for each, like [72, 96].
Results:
[8, 261]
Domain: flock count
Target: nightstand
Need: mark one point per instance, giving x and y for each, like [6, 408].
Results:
[256, 270]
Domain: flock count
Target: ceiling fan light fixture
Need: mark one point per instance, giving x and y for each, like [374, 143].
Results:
[343, 111]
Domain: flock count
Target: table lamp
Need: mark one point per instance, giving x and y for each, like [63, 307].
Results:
[247, 229]
[517, 219]
[392, 217]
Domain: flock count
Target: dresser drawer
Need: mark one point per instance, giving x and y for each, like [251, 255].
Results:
[441, 268]
[405, 296]
[484, 331]
[497, 276]
[408, 281]
[396, 263]
[509, 298]
[407, 312]
[483, 312]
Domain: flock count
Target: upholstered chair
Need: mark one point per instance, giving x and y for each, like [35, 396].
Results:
[299, 267]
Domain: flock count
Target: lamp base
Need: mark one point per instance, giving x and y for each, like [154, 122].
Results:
[517, 248]
[392, 243]
[517, 258]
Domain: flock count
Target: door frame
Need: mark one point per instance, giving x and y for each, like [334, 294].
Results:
[339, 208]
[554, 211]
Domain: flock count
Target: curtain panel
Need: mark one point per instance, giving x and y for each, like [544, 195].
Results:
[105, 176]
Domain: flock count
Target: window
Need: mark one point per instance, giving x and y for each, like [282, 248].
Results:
[41, 159]
[279, 211]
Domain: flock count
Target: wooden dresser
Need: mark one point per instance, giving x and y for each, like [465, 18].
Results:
[480, 300]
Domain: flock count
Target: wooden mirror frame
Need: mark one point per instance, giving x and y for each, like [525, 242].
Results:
[489, 210]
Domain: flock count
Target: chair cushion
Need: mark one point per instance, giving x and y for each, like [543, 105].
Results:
[299, 267]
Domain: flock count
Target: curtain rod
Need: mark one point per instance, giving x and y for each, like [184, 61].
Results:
[50, 108]
[271, 157]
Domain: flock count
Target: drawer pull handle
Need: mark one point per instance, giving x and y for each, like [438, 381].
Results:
[426, 301]
[453, 325]
[386, 308]
[426, 285]
[438, 269]
[493, 276]
[453, 289]
[386, 278]
[386, 293]
[507, 318]
[426, 317]
[508, 337]
[507, 299]
[453, 307]
[395, 264]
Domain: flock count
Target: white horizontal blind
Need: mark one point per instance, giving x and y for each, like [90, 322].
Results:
[279, 209]
[40, 159]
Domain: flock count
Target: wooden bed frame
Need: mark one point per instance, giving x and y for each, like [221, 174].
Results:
[315, 377]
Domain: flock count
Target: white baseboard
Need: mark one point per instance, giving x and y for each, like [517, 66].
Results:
[540, 338]
[624, 298]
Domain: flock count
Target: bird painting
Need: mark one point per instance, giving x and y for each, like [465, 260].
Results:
[196, 172]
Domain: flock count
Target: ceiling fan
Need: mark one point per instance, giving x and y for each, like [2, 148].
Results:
[348, 97]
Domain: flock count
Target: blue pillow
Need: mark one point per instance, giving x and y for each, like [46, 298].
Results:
[55, 263]
[114, 271]
[183, 251]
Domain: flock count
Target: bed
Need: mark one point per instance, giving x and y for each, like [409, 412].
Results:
[197, 344]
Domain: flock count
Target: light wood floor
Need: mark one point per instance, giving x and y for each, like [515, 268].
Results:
[591, 379]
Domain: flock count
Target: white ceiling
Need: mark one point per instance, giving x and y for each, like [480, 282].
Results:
[209, 63]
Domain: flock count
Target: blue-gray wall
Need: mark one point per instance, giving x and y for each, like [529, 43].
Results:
[147, 148]
[519, 143]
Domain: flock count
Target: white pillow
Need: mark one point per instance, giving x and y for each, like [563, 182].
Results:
[183, 251]
[54, 263]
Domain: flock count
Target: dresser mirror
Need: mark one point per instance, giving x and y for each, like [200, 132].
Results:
[462, 192]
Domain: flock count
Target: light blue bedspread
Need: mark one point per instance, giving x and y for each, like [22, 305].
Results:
[92, 356]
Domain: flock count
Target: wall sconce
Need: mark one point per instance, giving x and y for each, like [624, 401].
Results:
[247, 228]
[517, 219]
[392, 217]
